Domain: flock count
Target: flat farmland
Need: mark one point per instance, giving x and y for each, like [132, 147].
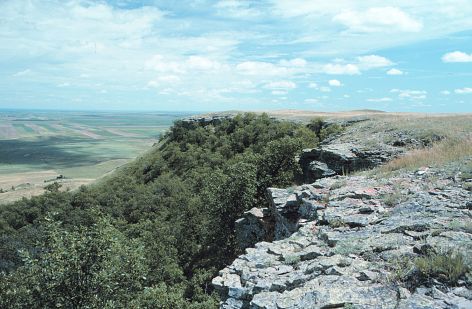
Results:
[72, 148]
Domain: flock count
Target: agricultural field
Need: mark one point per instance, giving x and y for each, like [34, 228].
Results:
[72, 148]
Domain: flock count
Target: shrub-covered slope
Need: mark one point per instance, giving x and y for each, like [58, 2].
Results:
[153, 234]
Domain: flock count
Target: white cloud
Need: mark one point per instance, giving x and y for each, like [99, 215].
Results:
[285, 84]
[313, 85]
[394, 71]
[325, 89]
[341, 69]
[378, 19]
[279, 92]
[236, 9]
[457, 56]
[163, 64]
[373, 61]
[202, 63]
[23, 73]
[334, 83]
[410, 94]
[445, 92]
[65, 84]
[466, 90]
[260, 68]
[384, 99]
[311, 100]
[179, 65]
[296, 62]
[163, 80]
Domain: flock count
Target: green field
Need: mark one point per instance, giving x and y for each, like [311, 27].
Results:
[77, 145]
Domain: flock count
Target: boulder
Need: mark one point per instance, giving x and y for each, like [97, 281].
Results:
[256, 225]
[342, 158]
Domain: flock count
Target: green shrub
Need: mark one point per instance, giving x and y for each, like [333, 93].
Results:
[447, 267]
[291, 259]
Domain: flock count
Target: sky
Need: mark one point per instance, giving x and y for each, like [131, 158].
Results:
[203, 55]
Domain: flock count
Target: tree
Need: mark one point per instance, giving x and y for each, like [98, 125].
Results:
[91, 267]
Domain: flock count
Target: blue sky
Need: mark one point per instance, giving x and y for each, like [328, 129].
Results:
[206, 55]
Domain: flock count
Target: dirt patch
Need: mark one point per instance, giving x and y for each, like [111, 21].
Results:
[7, 131]
[38, 129]
[86, 132]
[121, 133]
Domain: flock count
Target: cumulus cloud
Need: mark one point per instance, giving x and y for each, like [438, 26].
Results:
[260, 68]
[311, 101]
[236, 9]
[296, 62]
[284, 84]
[394, 71]
[23, 73]
[202, 63]
[378, 100]
[362, 63]
[378, 19]
[457, 56]
[279, 92]
[334, 83]
[313, 85]
[466, 90]
[163, 64]
[410, 94]
[177, 65]
[163, 80]
[445, 92]
[341, 69]
[373, 61]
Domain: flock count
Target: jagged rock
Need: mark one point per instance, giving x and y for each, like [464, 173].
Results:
[344, 253]
[320, 170]
[290, 207]
[206, 120]
[253, 227]
[343, 158]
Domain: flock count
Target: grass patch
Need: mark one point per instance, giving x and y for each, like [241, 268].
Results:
[338, 184]
[457, 225]
[446, 267]
[350, 246]
[291, 259]
[393, 199]
[338, 222]
[448, 150]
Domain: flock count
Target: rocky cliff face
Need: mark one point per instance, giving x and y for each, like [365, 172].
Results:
[356, 241]
[349, 252]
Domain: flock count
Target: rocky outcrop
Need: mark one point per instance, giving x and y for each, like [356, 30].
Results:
[343, 158]
[206, 120]
[288, 210]
[347, 250]
[254, 226]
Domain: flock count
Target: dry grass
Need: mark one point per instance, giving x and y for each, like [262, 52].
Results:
[447, 150]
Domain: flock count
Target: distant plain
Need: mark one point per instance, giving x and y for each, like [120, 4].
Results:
[37, 147]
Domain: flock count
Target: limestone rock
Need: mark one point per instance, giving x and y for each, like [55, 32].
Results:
[340, 251]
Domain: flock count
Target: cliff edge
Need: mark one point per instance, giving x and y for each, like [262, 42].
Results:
[371, 240]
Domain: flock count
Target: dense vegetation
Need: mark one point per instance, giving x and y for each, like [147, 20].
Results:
[153, 234]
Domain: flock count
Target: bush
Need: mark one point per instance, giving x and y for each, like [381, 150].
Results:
[447, 267]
